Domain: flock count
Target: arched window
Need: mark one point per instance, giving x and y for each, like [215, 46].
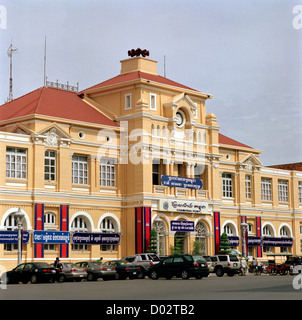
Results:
[107, 226]
[200, 239]
[267, 231]
[228, 229]
[49, 224]
[10, 224]
[284, 233]
[79, 225]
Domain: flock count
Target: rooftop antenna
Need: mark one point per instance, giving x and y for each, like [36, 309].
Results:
[45, 64]
[11, 50]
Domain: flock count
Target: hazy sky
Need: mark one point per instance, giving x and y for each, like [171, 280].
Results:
[246, 53]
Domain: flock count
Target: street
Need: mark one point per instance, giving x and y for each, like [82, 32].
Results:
[249, 287]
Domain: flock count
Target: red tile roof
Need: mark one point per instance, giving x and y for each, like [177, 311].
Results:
[226, 140]
[137, 75]
[289, 166]
[54, 103]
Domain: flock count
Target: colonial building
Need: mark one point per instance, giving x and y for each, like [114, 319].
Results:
[94, 171]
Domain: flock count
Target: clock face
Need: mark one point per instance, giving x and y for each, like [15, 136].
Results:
[180, 118]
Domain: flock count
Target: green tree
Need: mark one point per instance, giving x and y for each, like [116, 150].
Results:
[198, 247]
[224, 247]
[176, 249]
[153, 242]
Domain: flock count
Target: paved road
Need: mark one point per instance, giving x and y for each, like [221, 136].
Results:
[212, 288]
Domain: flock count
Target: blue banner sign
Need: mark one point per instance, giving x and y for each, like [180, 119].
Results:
[269, 242]
[61, 237]
[233, 241]
[12, 236]
[184, 226]
[181, 182]
[95, 238]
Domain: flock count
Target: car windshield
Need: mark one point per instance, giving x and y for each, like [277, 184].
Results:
[188, 258]
[124, 262]
[207, 259]
[70, 265]
[129, 259]
[199, 258]
[42, 265]
[153, 257]
[97, 263]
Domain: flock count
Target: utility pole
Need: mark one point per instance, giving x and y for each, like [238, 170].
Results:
[11, 50]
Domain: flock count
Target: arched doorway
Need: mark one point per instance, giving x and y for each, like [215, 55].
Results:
[180, 242]
[200, 244]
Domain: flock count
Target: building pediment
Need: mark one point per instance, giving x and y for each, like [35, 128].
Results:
[250, 162]
[182, 101]
[21, 129]
[53, 135]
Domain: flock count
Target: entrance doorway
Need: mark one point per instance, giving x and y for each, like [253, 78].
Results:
[180, 242]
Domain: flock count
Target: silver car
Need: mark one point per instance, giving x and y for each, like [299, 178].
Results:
[69, 271]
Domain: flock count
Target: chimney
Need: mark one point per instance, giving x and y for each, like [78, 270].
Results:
[138, 63]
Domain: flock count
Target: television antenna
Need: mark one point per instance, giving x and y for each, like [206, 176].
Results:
[11, 50]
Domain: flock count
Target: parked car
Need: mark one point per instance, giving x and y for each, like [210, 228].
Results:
[93, 269]
[209, 263]
[125, 269]
[108, 270]
[33, 272]
[225, 263]
[202, 262]
[69, 271]
[144, 260]
[182, 266]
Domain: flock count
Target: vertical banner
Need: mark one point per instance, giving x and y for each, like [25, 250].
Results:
[258, 234]
[39, 225]
[138, 230]
[243, 220]
[142, 228]
[64, 222]
[217, 231]
[147, 226]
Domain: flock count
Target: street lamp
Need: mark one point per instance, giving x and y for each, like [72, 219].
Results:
[157, 222]
[244, 229]
[19, 217]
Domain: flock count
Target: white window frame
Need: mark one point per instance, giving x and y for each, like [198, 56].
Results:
[80, 169]
[283, 190]
[79, 225]
[128, 101]
[107, 173]
[227, 185]
[107, 226]
[266, 189]
[300, 191]
[153, 101]
[248, 186]
[16, 163]
[50, 165]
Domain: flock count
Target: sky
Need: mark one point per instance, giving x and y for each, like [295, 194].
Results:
[246, 54]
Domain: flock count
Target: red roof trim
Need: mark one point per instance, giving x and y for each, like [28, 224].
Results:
[52, 102]
[226, 140]
[123, 78]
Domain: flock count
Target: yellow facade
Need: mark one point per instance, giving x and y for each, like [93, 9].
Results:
[109, 176]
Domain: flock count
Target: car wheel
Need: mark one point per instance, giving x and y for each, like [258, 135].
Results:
[185, 275]
[33, 279]
[90, 277]
[61, 278]
[154, 275]
[219, 272]
[141, 275]
[117, 276]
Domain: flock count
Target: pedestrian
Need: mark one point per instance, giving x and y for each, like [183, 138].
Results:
[56, 263]
[101, 259]
[243, 266]
[254, 265]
